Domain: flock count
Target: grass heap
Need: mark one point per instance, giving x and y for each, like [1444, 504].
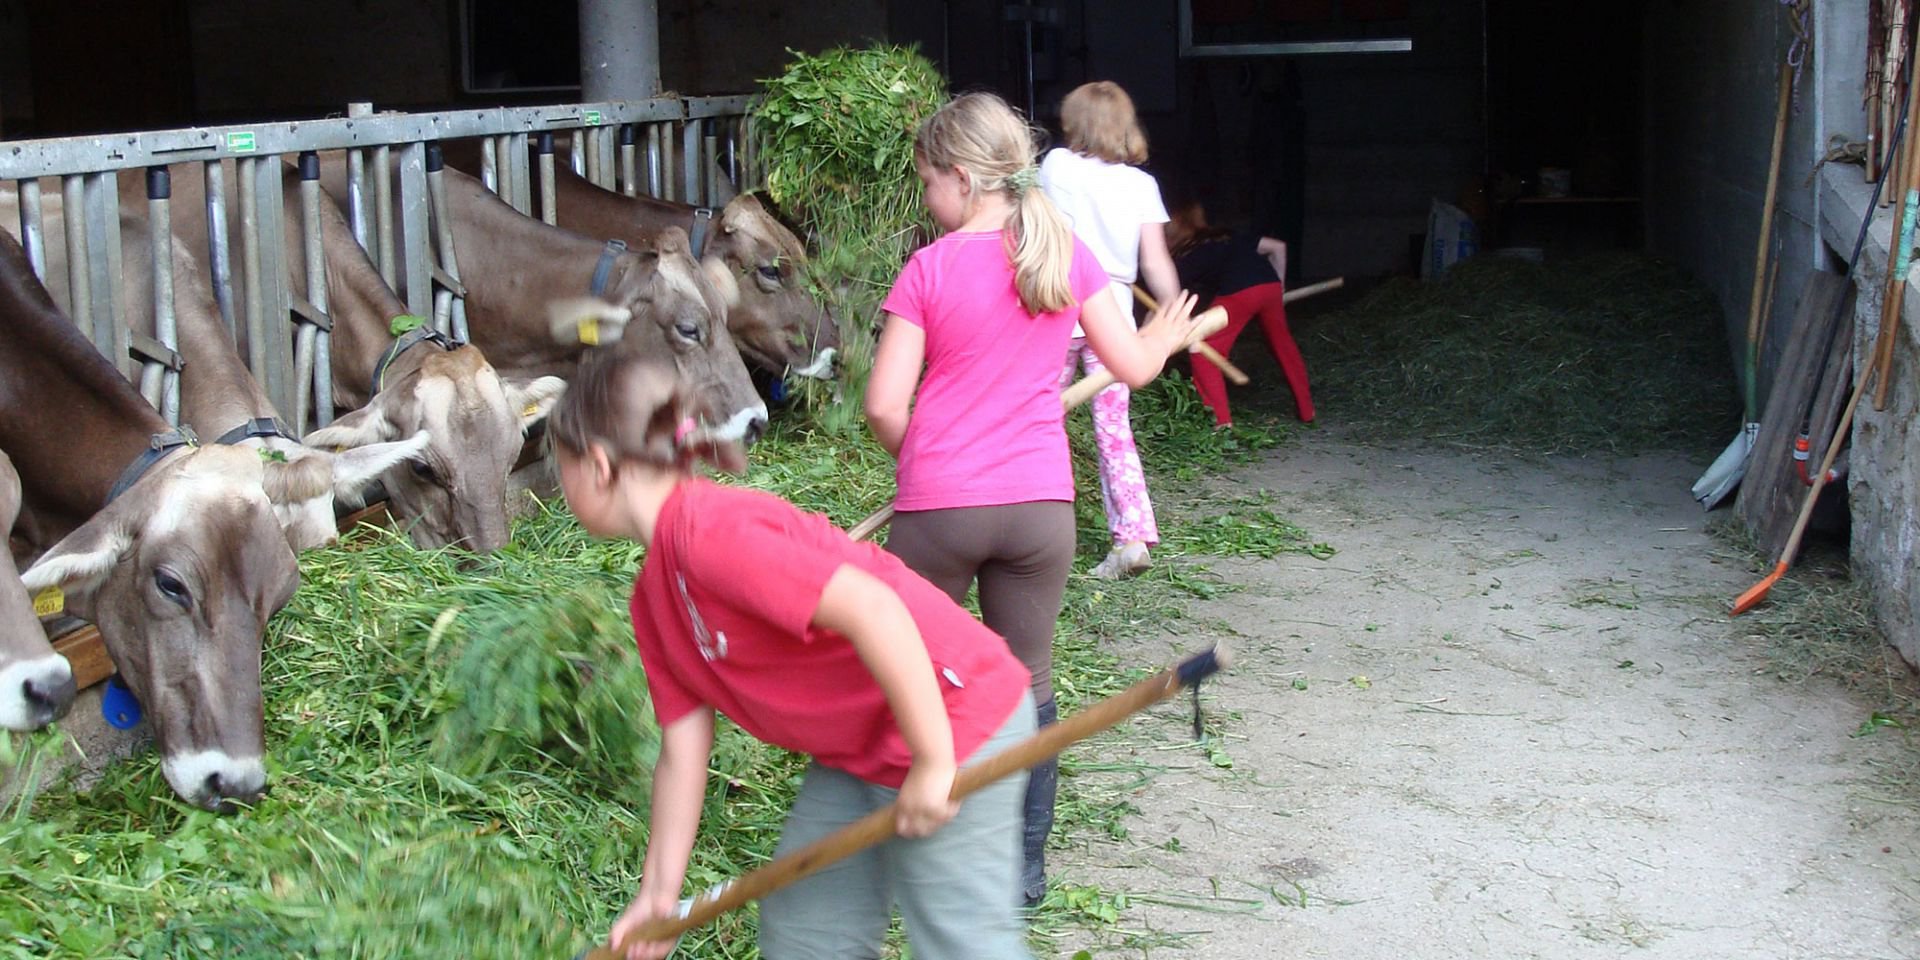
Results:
[1607, 354]
[459, 757]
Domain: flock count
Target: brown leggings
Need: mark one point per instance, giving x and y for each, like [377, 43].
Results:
[1021, 553]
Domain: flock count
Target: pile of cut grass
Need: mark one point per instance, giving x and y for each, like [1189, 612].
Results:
[1608, 354]
[459, 756]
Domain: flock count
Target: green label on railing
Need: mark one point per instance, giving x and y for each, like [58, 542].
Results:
[593, 118]
[240, 141]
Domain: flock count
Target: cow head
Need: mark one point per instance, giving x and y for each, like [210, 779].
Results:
[181, 573]
[36, 684]
[453, 492]
[303, 494]
[676, 313]
[756, 264]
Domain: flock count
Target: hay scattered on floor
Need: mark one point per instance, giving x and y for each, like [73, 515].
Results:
[1607, 354]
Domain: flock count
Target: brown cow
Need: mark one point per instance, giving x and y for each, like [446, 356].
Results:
[172, 551]
[478, 419]
[219, 398]
[36, 684]
[755, 263]
[516, 268]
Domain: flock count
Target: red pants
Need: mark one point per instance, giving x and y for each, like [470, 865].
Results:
[1264, 302]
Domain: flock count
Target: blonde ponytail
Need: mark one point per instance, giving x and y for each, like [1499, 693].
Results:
[1042, 251]
[981, 134]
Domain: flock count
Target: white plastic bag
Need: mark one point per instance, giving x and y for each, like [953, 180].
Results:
[1451, 238]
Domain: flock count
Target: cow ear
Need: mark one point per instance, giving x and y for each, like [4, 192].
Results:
[586, 321]
[356, 467]
[532, 400]
[369, 424]
[723, 281]
[66, 576]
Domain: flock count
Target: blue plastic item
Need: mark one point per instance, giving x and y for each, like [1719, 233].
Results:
[119, 706]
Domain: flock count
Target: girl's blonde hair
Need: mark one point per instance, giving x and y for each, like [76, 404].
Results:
[639, 410]
[1099, 122]
[981, 135]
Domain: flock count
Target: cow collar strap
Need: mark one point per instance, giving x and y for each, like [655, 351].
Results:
[598, 285]
[697, 237]
[257, 427]
[406, 342]
[158, 446]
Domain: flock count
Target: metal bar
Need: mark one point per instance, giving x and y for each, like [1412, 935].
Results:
[692, 190]
[278, 377]
[489, 172]
[709, 162]
[596, 166]
[546, 180]
[441, 217]
[383, 211]
[219, 250]
[522, 178]
[312, 356]
[1400, 45]
[577, 151]
[25, 159]
[73, 216]
[734, 125]
[103, 268]
[609, 153]
[357, 219]
[256, 334]
[750, 156]
[629, 171]
[158, 384]
[33, 235]
[413, 228]
[700, 108]
[654, 187]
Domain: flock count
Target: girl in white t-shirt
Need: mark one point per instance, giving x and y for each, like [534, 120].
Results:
[1116, 210]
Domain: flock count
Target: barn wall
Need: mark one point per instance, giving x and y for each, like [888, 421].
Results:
[1714, 67]
[726, 46]
[1713, 74]
[301, 57]
[16, 79]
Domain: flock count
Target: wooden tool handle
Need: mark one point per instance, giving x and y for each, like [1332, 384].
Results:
[1313, 288]
[1210, 323]
[1233, 373]
[877, 827]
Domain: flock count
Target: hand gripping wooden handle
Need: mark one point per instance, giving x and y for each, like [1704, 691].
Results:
[877, 827]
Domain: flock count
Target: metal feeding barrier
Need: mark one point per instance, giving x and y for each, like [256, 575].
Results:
[675, 148]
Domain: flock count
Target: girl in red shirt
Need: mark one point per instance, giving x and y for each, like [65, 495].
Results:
[807, 640]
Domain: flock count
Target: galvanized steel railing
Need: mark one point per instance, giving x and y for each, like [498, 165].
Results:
[666, 147]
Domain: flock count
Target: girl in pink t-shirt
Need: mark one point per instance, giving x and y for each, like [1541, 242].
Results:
[825, 647]
[985, 484]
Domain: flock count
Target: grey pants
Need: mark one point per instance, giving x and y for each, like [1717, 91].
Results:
[957, 890]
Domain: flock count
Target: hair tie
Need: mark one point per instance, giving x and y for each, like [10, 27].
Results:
[680, 432]
[1023, 179]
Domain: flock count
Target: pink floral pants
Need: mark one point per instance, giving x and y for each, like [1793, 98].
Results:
[1123, 487]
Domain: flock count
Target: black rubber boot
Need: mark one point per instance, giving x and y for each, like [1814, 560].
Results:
[1043, 782]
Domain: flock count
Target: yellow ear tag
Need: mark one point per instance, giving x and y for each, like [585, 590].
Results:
[48, 602]
[590, 331]
[532, 408]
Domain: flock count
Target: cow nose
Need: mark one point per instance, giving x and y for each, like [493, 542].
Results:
[222, 788]
[756, 428]
[49, 697]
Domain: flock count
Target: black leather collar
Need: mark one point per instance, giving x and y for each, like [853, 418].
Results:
[158, 446]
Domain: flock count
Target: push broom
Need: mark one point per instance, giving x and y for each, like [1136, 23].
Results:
[877, 827]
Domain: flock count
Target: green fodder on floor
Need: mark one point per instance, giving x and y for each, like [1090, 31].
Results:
[459, 754]
[1611, 354]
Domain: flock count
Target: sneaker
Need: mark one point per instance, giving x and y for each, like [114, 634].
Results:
[1123, 562]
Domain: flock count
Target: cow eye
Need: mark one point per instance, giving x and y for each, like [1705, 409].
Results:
[171, 588]
[770, 271]
[688, 331]
[424, 471]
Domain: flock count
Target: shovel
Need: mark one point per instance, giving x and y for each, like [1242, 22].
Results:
[877, 827]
